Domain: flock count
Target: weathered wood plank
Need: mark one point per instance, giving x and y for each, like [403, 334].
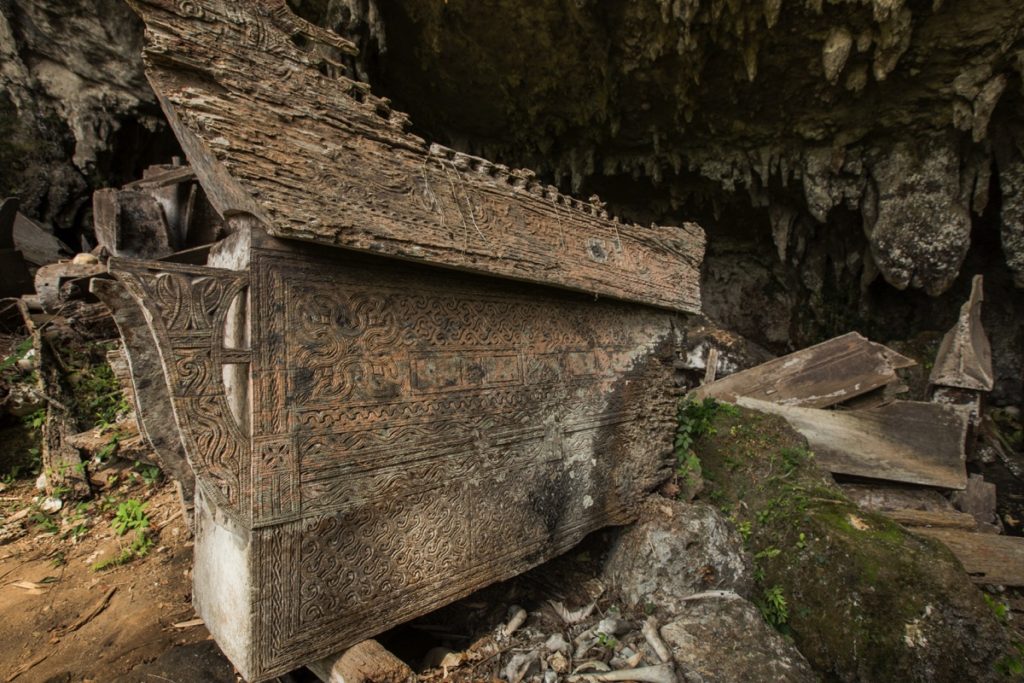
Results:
[925, 518]
[905, 441]
[816, 377]
[989, 558]
[964, 359]
[319, 158]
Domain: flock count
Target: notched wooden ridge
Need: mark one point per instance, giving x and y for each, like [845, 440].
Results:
[274, 127]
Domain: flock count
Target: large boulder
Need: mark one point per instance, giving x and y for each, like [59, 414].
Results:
[725, 640]
[863, 599]
[674, 551]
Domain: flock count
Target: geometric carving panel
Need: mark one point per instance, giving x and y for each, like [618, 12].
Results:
[402, 437]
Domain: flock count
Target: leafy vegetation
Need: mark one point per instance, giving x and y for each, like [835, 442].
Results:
[130, 517]
[773, 607]
[695, 420]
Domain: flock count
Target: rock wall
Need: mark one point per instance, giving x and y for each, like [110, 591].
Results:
[839, 153]
[75, 109]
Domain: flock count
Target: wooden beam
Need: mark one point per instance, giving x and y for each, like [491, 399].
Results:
[905, 441]
[365, 662]
[989, 558]
[816, 377]
[274, 130]
[928, 518]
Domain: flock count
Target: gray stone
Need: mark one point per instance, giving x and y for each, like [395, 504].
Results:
[675, 551]
[719, 640]
[920, 227]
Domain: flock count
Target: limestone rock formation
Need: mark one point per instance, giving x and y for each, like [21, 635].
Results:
[725, 640]
[75, 108]
[854, 163]
[675, 551]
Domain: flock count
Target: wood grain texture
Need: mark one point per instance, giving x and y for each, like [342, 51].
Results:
[273, 127]
[948, 519]
[964, 359]
[365, 662]
[819, 376]
[905, 441]
[989, 558]
[409, 435]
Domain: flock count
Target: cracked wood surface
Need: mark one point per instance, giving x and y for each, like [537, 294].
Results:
[905, 441]
[819, 376]
[273, 127]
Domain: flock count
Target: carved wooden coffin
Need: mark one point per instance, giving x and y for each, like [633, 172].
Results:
[274, 128]
[373, 439]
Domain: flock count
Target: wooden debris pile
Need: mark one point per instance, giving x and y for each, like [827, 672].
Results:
[843, 396]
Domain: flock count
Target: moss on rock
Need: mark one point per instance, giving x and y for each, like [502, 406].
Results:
[863, 598]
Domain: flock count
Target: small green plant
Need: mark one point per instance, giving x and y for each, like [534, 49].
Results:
[745, 528]
[45, 522]
[793, 458]
[801, 542]
[606, 641]
[1012, 665]
[19, 352]
[150, 473]
[1000, 609]
[773, 606]
[694, 420]
[36, 419]
[139, 548]
[109, 448]
[130, 516]
[768, 553]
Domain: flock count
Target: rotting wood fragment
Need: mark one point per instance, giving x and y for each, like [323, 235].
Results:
[319, 158]
[964, 359]
[365, 662]
[989, 558]
[816, 377]
[925, 518]
[905, 441]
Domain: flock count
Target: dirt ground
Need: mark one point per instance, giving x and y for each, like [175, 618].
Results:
[61, 619]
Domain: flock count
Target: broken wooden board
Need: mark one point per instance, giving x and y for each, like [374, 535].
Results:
[816, 377]
[988, 558]
[905, 441]
[373, 439]
[317, 157]
[132, 223]
[37, 246]
[939, 520]
[50, 280]
[964, 359]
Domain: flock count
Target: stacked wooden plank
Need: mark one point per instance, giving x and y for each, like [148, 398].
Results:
[842, 395]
